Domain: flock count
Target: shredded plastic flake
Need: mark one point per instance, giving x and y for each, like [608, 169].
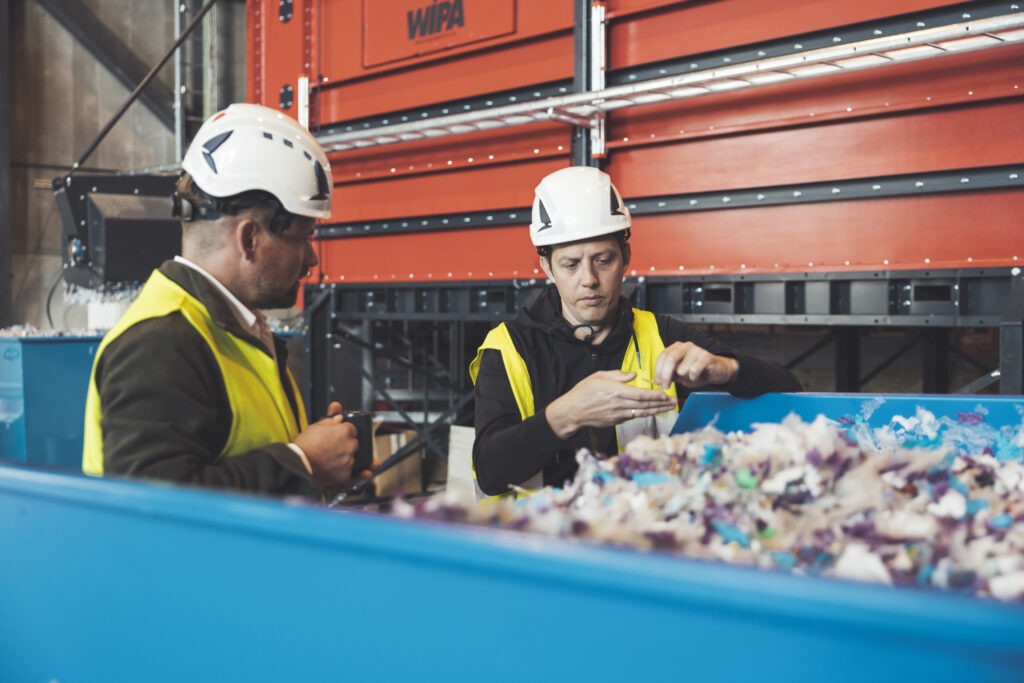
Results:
[924, 501]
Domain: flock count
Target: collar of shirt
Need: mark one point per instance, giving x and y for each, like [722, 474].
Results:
[253, 321]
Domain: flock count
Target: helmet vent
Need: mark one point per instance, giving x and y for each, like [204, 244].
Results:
[321, 183]
[216, 141]
[616, 204]
[211, 145]
[544, 217]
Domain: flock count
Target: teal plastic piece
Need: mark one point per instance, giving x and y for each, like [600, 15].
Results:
[731, 534]
[644, 479]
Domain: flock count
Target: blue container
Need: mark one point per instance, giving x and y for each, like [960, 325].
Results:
[107, 580]
[735, 414]
[43, 383]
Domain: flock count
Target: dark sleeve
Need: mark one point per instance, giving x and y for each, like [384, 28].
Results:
[508, 449]
[165, 415]
[756, 376]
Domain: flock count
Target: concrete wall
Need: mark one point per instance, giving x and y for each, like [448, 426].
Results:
[60, 98]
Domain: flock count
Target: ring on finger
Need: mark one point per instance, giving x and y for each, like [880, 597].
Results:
[634, 412]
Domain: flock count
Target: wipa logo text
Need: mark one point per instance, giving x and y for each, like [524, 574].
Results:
[434, 18]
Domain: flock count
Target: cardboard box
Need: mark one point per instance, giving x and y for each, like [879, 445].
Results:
[405, 477]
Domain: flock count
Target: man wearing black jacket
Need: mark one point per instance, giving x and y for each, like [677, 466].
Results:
[580, 367]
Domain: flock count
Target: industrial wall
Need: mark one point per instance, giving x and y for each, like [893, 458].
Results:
[61, 97]
[827, 166]
[74, 63]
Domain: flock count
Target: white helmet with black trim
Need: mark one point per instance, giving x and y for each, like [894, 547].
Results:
[576, 203]
[251, 147]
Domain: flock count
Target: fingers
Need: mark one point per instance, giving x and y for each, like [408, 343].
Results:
[334, 408]
[636, 395]
[682, 362]
[668, 360]
[615, 375]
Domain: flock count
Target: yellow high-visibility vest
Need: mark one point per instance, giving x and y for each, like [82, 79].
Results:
[645, 329]
[260, 410]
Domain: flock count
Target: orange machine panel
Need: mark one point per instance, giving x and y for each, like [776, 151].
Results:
[892, 233]
[959, 111]
[429, 27]
[517, 43]
[916, 87]
[984, 134]
[686, 28]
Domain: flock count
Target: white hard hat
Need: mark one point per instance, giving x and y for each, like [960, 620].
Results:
[576, 203]
[252, 147]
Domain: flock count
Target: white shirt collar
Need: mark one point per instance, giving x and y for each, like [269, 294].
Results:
[242, 312]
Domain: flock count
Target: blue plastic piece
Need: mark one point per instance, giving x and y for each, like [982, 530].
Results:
[783, 559]
[731, 534]
[43, 383]
[735, 414]
[644, 479]
[976, 506]
[1001, 521]
[106, 580]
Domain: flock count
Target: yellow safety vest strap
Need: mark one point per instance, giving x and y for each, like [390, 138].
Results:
[515, 367]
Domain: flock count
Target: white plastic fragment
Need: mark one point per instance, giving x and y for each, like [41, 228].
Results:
[858, 563]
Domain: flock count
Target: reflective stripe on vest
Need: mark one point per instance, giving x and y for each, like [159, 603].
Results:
[645, 328]
[260, 410]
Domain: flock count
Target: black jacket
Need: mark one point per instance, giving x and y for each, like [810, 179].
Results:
[509, 450]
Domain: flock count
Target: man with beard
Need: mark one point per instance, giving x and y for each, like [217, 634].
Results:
[581, 368]
[191, 385]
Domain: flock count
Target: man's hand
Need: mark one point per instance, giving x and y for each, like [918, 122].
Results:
[692, 366]
[330, 444]
[604, 400]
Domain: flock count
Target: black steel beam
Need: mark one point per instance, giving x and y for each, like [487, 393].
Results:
[112, 52]
[906, 185]
[847, 355]
[582, 39]
[6, 277]
[857, 298]
[935, 362]
[1011, 343]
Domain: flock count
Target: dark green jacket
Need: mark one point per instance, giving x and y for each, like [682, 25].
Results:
[165, 409]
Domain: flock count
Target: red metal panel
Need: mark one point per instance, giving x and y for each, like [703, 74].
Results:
[692, 28]
[280, 51]
[518, 66]
[539, 50]
[468, 189]
[972, 77]
[972, 229]
[343, 31]
[396, 30]
[617, 9]
[973, 135]
[474, 254]
[941, 231]
[472, 150]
